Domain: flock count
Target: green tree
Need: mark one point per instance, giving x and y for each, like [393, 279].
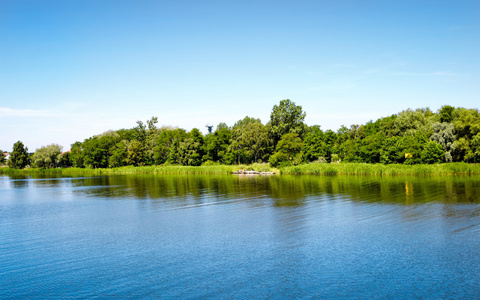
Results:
[432, 153]
[77, 154]
[391, 152]
[216, 144]
[476, 148]
[119, 155]
[461, 150]
[250, 141]
[135, 154]
[370, 149]
[288, 151]
[466, 122]
[98, 149]
[65, 160]
[314, 145]
[164, 143]
[47, 156]
[191, 149]
[413, 146]
[409, 122]
[19, 158]
[2, 157]
[287, 117]
[446, 113]
[444, 135]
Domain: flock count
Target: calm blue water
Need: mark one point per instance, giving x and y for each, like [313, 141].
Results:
[229, 237]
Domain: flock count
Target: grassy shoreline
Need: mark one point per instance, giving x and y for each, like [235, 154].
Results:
[307, 169]
[380, 169]
[172, 169]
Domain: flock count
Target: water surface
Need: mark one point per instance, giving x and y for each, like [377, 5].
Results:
[171, 236]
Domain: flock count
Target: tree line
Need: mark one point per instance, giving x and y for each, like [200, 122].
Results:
[417, 136]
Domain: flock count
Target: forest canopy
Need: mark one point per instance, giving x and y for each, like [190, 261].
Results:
[420, 136]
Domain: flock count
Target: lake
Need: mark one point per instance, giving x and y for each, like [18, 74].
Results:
[224, 237]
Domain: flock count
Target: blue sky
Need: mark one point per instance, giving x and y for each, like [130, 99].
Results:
[73, 69]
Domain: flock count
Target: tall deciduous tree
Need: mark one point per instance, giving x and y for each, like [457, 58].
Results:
[288, 151]
[19, 156]
[47, 156]
[287, 117]
[314, 145]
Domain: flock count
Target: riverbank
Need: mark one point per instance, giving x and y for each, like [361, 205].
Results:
[171, 169]
[380, 169]
[307, 169]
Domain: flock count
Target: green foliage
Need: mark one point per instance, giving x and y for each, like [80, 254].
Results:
[410, 137]
[288, 151]
[164, 143]
[466, 122]
[65, 160]
[2, 157]
[19, 158]
[314, 145]
[216, 144]
[47, 156]
[287, 117]
[191, 150]
[119, 155]
[462, 150]
[432, 153]
[476, 148]
[135, 154]
[77, 155]
[250, 141]
[410, 121]
[444, 135]
[446, 114]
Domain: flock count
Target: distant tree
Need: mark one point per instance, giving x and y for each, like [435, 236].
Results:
[391, 152]
[288, 151]
[216, 144]
[19, 158]
[370, 149]
[475, 144]
[462, 151]
[287, 117]
[135, 154]
[98, 149]
[174, 156]
[432, 153]
[77, 154]
[314, 145]
[164, 143]
[47, 156]
[119, 155]
[446, 113]
[245, 121]
[191, 150]
[409, 122]
[2, 157]
[412, 147]
[250, 141]
[466, 122]
[65, 160]
[444, 135]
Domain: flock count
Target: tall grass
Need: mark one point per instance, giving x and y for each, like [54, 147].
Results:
[380, 169]
[307, 169]
[169, 169]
